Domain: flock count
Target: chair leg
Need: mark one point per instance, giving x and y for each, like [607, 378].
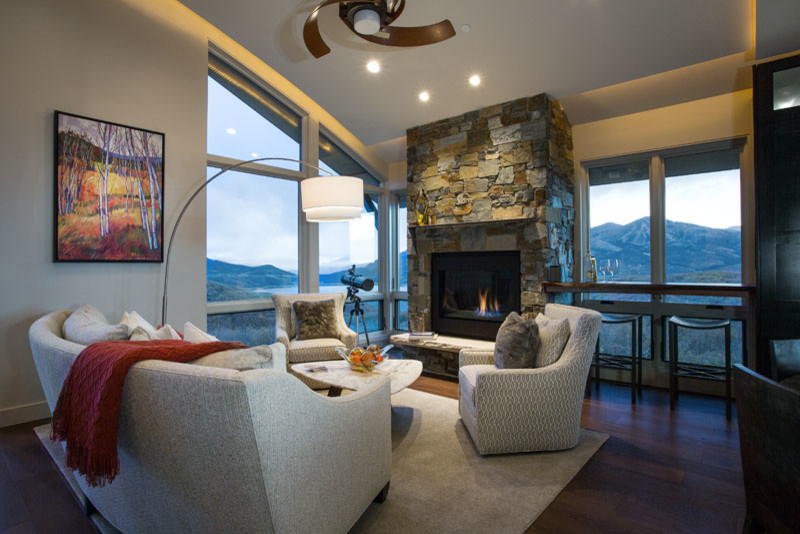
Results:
[728, 372]
[673, 379]
[381, 497]
[639, 353]
[634, 370]
[597, 365]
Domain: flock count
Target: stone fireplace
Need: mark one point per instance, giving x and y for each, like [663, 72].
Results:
[497, 180]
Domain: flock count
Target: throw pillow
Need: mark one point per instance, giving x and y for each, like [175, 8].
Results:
[554, 335]
[315, 319]
[239, 359]
[133, 321]
[88, 325]
[165, 332]
[516, 343]
[194, 335]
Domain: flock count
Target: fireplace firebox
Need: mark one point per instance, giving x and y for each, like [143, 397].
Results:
[473, 292]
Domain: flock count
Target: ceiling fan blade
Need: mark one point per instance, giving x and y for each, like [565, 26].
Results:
[311, 35]
[395, 10]
[416, 36]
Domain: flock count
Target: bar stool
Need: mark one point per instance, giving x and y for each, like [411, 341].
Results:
[697, 370]
[632, 362]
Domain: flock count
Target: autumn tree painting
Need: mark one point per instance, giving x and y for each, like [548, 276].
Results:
[109, 191]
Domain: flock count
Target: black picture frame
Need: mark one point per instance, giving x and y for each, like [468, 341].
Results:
[103, 173]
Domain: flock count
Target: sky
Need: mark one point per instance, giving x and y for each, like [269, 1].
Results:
[253, 219]
[709, 199]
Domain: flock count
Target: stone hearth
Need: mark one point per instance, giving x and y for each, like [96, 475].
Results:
[498, 178]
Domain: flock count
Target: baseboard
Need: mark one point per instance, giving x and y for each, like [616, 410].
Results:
[23, 414]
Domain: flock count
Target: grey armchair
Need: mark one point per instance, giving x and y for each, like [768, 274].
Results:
[525, 410]
[310, 350]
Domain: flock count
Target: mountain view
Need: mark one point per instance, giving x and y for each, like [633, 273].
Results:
[694, 253]
[229, 281]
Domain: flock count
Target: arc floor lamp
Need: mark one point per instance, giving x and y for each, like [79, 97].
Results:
[323, 199]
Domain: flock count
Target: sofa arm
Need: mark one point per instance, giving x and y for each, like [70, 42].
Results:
[475, 357]
[347, 336]
[281, 336]
[279, 361]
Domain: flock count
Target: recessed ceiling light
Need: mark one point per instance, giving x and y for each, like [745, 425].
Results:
[231, 131]
[475, 80]
[373, 66]
[424, 96]
[253, 155]
[466, 28]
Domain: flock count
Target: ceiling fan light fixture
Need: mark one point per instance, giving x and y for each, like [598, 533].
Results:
[367, 21]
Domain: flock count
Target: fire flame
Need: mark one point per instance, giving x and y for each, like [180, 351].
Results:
[486, 308]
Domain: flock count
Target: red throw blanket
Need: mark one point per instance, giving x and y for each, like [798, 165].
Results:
[87, 411]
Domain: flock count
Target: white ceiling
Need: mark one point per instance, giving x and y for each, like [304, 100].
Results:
[519, 47]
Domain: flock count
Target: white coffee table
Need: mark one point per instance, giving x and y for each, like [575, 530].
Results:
[401, 373]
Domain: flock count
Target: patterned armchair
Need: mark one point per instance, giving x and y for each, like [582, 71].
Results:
[525, 410]
[310, 350]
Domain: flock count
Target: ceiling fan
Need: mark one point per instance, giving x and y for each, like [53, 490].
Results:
[371, 20]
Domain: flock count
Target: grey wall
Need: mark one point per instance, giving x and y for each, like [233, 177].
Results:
[105, 59]
[777, 27]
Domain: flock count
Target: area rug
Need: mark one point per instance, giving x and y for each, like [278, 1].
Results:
[441, 484]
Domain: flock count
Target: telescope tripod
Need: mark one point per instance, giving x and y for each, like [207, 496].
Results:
[357, 312]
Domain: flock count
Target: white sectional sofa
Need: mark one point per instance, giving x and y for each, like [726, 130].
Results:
[205, 449]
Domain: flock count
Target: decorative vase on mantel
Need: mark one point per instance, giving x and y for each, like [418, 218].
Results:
[421, 208]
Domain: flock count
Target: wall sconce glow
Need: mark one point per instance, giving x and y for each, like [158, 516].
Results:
[373, 66]
[424, 96]
[231, 131]
[332, 198]
[475, 80]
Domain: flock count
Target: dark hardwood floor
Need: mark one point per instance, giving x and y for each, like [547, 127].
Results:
[658, 472]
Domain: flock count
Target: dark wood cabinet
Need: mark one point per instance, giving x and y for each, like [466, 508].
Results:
[776, 107]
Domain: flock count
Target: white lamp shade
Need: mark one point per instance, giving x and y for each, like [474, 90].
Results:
[367, 21]
[332, 198]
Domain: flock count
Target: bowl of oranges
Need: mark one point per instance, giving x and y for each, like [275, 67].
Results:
[363, 360]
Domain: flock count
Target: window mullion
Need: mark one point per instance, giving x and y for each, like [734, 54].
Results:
[657, 222]
[308, 270]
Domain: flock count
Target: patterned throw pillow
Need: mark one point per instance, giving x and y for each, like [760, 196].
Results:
[240, 359]
[554, 335]
[193, 334]
[516, 343]
[315, 320]
[88, 325]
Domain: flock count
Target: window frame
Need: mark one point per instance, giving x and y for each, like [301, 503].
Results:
[308, 233]
[658, 203]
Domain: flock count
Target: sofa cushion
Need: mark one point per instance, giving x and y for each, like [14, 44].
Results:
[553, 337]
[315, 319]
[88, 325]
[193, 334]
[313, 350]
[516, 343]
[468, 379]
[240, 359]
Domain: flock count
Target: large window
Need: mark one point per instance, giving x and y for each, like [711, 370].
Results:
[245, 122]
[251, 226]
[258, 243]
[703, 218]
[694, 198]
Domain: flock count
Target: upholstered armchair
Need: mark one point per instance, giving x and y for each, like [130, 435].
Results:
[310, 350]
[525, 410]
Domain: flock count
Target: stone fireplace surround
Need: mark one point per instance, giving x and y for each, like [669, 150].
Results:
[499, 178]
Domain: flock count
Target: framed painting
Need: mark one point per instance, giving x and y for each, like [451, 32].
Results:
[109, 191]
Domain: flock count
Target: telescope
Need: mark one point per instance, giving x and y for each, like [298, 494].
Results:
[361, 282]
[355, 282]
